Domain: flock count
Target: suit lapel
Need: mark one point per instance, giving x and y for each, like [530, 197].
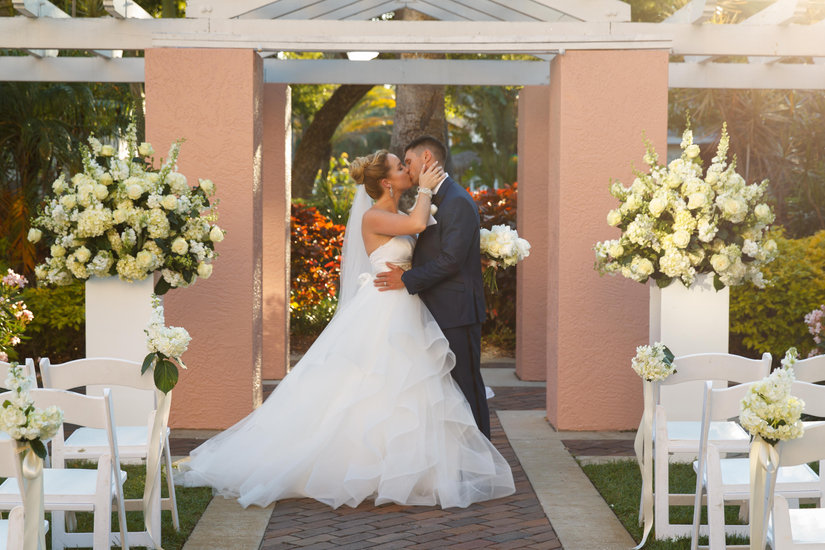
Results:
[442, 191]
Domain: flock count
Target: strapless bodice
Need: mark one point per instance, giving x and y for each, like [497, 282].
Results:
[397, 250]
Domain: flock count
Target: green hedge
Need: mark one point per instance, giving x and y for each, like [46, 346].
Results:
[59, 325]
[772, 319]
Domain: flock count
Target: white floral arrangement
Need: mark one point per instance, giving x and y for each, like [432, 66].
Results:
[166, 346]
[769, 410]
[501, 247]
[677, 223]
[119, 216]
[653, 363]
[21, 420]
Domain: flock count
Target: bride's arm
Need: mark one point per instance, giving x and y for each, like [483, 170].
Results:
[386, 223]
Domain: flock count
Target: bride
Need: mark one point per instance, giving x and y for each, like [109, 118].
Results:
[371, 410]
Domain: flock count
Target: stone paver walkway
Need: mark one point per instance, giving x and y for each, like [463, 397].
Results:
[518, 521]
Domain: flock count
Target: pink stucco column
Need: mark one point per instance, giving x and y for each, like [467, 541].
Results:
[533, 225]
[277, 157]
[601, 102]
[213, 99]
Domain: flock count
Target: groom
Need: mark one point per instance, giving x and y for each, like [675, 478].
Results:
[446, 273]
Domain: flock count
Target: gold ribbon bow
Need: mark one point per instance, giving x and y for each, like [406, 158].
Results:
[151, 491]
[34, 533]
[764, 462]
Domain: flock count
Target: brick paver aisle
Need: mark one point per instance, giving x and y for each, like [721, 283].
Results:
[513, 522]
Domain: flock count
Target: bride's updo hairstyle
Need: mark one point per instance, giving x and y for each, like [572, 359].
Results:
[369, 171]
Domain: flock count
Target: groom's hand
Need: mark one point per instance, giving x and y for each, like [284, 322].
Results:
[389, 280]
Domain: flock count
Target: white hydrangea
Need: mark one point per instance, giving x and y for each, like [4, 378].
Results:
[769, 410]
[654, 362]
[19, 418]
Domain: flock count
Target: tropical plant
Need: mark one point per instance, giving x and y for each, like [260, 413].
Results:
[483, 122]
[334, 191]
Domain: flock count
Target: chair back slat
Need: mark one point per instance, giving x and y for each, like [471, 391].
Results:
[99, 371]
[808, 448]
[9, 463]
[811, 369]
[812, 394]
[719, 366]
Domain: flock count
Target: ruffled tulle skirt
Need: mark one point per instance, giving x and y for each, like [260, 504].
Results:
[370, 411]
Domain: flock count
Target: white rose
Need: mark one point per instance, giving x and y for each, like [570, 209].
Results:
[134, 191]
[681, 238]
[82, 254]
[180, 246]
[763, 212]
[697, 200]
[673, 181]
[207, 186]
[101, 192]
[657, 206]
[614, 218]
[144, 259]
[68, 201]
[735, 209]
[57, 251]
[107, 151]
[720, 262]
[106, 179]
[59, 185]
[145, 149]
[616, 249]
[34, 235]
[216, 234]
[169, 202]
[642, 267]
[204, 270]
[692, 151]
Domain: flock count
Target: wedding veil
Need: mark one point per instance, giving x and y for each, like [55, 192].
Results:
[354, 259]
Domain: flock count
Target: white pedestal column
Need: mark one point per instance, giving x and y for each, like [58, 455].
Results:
[117, 314]
[689, 320]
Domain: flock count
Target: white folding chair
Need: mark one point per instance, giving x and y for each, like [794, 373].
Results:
[799, 528]
[811, 369]
[133, 441]
[11, 530]
[681, 436]
[727, 480]
[76, 489]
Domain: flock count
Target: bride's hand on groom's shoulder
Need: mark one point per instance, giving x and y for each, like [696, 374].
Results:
[389, 280]
[430, 176]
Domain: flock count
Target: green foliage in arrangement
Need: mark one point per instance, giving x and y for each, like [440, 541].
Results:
[59, 324]
[772, 319]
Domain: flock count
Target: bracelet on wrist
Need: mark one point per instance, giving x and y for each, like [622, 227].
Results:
[425, 191]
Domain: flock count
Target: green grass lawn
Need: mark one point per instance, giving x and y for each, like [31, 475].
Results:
[192, 502]
[620, 484]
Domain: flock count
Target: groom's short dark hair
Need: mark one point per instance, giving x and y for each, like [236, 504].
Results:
[435, 146]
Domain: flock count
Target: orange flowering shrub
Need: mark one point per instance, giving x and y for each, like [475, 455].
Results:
[314, 265]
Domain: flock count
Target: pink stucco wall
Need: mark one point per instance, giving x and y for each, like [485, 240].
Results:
[533, 223]
[277, 159]
[213, 99]
[601, 102]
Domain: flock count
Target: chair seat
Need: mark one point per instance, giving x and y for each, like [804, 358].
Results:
[727, 436]
[808, 525]
[736, 478]
[131, 441]
[59, 487]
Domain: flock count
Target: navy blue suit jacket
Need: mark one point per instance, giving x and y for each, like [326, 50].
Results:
[446, 263]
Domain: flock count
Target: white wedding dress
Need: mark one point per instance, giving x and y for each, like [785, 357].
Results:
[370, 411]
